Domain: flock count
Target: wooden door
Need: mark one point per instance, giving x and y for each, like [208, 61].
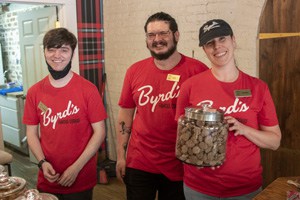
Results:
[279, 66]
[32, 27]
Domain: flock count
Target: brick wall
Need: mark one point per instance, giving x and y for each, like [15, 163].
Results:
[125, 41]
[9, 39]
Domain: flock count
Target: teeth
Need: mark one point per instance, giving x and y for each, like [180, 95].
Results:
[220, 54]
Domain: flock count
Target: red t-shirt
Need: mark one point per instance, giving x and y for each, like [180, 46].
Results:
[153, 92]
[65, 116]
[241, 172]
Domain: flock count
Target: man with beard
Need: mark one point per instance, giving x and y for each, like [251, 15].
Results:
[65, 116]
[147, 115]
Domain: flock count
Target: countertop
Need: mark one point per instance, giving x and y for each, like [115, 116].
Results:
[15, 94]
[277, 190]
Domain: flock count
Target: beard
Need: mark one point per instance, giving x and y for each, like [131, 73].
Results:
[165, 55]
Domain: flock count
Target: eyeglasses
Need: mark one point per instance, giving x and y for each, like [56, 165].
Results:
[162, 34]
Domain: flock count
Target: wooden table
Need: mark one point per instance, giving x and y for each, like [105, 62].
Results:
[277, 190]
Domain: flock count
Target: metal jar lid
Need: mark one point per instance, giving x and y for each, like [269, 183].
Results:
[204, 113]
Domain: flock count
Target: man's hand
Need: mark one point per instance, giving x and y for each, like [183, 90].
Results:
[49, 173]
[69, 176]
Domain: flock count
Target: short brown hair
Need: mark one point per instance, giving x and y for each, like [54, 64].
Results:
[162, 16]
[56, 38]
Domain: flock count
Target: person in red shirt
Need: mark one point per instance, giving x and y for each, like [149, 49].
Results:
[146, 129]
[65, 116]
[249, 110]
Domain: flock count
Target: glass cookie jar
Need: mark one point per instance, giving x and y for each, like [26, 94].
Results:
[201, 136]
[10, 187]
[33, 194]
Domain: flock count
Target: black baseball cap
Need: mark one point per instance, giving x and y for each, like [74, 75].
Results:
[212, 29]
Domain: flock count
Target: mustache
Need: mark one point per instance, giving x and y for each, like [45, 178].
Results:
[156, 43]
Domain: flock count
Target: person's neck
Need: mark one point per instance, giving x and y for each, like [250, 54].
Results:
[59, 83]
[225, 74]
[169, 63]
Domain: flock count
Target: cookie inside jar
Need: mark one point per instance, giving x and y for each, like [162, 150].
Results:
[201, 136]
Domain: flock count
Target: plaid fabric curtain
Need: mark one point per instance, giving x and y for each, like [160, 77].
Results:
[91, 44]
[90, 41]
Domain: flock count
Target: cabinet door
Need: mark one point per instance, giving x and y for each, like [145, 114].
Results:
[10, 117]
[11, 135]
[8, 102]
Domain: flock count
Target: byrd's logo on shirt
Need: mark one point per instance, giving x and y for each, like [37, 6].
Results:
[146, 96]
[52, 118]
[237, 106]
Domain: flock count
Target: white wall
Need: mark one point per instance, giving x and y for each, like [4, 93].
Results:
[124, 36]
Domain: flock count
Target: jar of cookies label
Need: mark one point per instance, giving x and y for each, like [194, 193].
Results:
[201, 136]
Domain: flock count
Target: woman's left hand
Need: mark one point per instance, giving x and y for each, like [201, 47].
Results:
[236, 126]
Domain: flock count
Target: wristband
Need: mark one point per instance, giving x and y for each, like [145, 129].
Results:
[41, 163]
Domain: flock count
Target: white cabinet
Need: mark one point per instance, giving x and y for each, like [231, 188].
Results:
[14, 131]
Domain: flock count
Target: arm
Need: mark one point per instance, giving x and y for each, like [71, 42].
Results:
[266, 137]
[33, 139]
[123, 130]
[70, 174]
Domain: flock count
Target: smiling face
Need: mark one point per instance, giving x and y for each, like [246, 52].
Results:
[160, 40]
[220, 50]
[58, 58]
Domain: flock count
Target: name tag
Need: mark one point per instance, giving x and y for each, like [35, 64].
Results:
[42, 107]
[173, 77]
[242, 93]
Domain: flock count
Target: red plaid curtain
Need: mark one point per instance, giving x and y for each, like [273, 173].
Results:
[90, 41]
[91, 44]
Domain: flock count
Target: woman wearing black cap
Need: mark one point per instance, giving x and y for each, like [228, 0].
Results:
[249, 111]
